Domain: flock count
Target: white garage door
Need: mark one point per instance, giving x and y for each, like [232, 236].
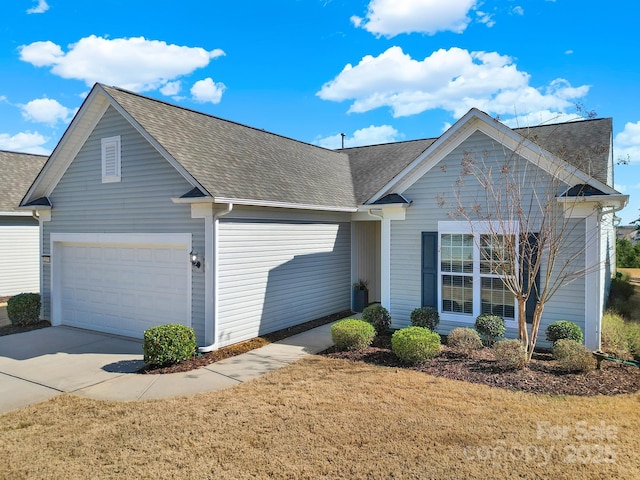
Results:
[121, 289]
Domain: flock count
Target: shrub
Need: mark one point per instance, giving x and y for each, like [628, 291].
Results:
[426, 317]
[563, 330]
[415, 344]
[614, 339]
[491, 327]
[24, 308]
[619, 294]
[168, 344]
[510, 354]
[464, 339]
[352, 334]
[573, 356]
[378, 316]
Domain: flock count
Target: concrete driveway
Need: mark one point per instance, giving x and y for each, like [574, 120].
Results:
[38, 365]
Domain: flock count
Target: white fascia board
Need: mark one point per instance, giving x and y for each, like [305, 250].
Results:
[193, 200]
[16, 214]
[68, 147]
[614, 200]
[390, 211]
[274, 204]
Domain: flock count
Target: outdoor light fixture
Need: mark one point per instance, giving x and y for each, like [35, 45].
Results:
[196, 261]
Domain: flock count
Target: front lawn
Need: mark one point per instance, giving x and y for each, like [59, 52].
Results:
[328, 418]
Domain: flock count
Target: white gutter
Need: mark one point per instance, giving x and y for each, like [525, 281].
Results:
[211, 274]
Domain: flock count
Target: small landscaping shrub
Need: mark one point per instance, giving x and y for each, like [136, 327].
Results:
[510, 354]
[562, 330]
[168, 344]
[619, 294]
[352, 334]
[490, 327]
[464, 340]
[427, 317]
[378, 316]
[614, 335]
[415, 344]
[573, 356]
[24, 308]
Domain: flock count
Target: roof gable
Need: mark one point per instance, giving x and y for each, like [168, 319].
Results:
[475, 120]
[224, 160]
[18, 172]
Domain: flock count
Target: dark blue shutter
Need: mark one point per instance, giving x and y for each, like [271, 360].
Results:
[531, 301]
[430, 269]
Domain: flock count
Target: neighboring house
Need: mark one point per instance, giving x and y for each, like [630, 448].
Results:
[628, 232]
[19, 237]
[152, 214]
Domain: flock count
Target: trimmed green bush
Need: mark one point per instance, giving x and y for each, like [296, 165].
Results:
[24, 308]
[562, 330]
[415, 344]
[510, 354]
[464, 340]
[427, 317]
[573, 356]
[168, 344]
[490, 327]
[352, 334]
[378, 316]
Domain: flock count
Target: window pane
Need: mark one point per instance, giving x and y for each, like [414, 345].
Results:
[496, 298]
[457, 294]
[494, 255]
[456, 253]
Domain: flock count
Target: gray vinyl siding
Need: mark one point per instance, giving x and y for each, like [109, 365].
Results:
[280, 268]
[139, 203]
[19, 255]
[423, 216]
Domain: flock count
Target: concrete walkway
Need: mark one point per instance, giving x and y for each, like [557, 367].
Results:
[41, 364]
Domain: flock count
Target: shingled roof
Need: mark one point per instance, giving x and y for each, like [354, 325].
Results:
[231, 160]
[372, 167]
[17, 172]
[585, 144]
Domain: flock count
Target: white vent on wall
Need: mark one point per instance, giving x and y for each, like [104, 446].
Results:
[111, 159]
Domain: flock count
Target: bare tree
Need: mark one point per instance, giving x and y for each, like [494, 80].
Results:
[529, 239]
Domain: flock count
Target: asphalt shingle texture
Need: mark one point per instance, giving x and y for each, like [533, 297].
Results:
[231, 160]
[17, 173]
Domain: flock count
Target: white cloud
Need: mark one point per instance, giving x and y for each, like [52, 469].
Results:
[626, 144]
[46, 110]
[24, 142]
[453, 80]
[207, 91]
[518, 10]
[171, 88]
[41, 7]
[370, 135]
[486, 18]
[543, 117]
[568, 52]
[133, 63]
[393, 17]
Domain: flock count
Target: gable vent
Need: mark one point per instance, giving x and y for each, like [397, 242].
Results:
[111, 159]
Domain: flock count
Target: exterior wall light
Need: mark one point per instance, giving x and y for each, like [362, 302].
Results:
[196, 259]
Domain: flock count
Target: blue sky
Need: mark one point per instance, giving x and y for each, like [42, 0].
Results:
[377, 70]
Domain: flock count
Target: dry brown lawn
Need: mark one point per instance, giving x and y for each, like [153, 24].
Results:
[326, 418]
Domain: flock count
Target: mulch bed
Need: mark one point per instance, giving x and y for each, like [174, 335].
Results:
[204, 359]
[541, 375]
[11, 329]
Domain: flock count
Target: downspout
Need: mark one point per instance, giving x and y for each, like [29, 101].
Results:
[211, 279]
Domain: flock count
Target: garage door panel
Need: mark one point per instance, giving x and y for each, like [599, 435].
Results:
[123, 289]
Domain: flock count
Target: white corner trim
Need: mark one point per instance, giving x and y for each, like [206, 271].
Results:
[592, 294]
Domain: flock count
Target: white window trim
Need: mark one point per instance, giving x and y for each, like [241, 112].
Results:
[476, 229]
[115, 142]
